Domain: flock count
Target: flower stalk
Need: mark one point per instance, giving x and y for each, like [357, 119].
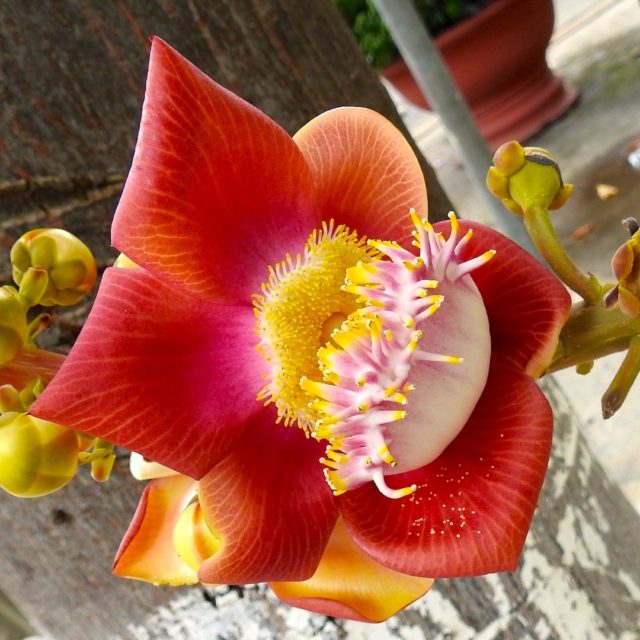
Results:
[592, 332]
[622, 382]
[538, 224]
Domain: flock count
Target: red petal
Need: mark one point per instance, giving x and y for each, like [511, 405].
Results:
[474, 504]
[526, 304]
[147, 552]
[159, 372]
[217, 190]
[366, 174]
[349, 584]
[269, 503]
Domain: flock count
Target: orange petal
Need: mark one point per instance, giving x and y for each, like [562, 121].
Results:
[366, 174]
[349, 584]
[30, 364]
[147, 551]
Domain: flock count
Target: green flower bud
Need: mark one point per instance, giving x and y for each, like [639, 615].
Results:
[13, 324]
[525, 177]
[67, 261]
[36, 457]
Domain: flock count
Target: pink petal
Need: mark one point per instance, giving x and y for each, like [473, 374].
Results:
[527, 305]
[349, 584]
[147, 551]
[269, 504]
[473, 506]
[366, 174]
[159, 372]
[217, 191]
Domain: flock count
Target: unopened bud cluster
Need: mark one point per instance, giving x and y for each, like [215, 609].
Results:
[50, 267]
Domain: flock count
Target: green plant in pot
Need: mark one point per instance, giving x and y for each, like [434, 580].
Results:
[494, 49]
[375, 41]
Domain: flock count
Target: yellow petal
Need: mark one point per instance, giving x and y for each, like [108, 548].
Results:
[193, 540]
[349, 584]
[147, 552]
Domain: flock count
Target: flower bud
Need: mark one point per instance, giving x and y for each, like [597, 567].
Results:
[626, 269]
[192, 539]
[13, 324]
[36, 457]
[67, 261]
[525, 177]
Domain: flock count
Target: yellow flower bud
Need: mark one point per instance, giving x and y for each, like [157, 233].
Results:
[192, 539]
[13, 324]
[626, 269]
[525, 177]
[67, 261]
[36, 457]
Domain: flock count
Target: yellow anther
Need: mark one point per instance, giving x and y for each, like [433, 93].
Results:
[329, 463]
[406, 491]
[488, 255]
[385, 454]
[455, 225]
[415, 218]
[415, 338]
[398, 397]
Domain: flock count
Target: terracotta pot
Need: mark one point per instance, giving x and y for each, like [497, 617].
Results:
[497, 59]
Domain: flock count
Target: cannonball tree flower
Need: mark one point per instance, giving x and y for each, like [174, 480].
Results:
[352, 388]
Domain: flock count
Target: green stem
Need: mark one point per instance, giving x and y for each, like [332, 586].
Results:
[622, 382]
[592, 332]
[538, 224]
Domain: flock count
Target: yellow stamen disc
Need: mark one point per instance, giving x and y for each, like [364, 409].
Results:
[300, 307]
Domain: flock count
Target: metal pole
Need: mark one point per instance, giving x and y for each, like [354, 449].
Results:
[423, 59]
